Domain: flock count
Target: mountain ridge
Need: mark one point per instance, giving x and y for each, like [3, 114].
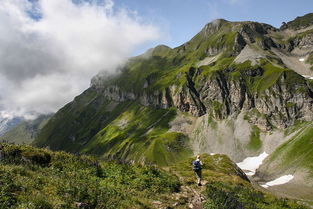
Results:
[234, 88]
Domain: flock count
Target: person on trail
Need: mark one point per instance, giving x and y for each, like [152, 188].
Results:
[197, 167]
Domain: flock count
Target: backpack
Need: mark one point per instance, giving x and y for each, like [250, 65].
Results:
[196, 166]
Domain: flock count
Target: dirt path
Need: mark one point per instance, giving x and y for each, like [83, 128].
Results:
[193, 193]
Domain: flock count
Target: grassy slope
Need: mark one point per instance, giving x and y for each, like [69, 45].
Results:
[294, 154]
[72, 126]
[126, 131]
[301, 22]
[37, 178]
[141, 133]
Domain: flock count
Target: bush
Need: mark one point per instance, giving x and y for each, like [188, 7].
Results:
[37, 157]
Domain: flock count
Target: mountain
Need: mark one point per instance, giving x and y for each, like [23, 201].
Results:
[25, 131]
[62, 180]
[7, 123]
[236, 88]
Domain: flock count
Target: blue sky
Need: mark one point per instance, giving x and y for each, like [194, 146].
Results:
[180, 20]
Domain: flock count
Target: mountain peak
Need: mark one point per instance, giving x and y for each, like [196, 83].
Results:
[160, 50]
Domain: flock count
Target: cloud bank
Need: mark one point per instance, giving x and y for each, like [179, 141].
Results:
[50, 49]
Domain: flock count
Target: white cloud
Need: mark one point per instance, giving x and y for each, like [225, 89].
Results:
[44, 63]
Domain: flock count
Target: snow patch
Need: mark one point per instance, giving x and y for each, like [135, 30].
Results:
[250, 173]
[212, 153]
[281, 180]
[250, 164]
[301, 59]
[308, 77]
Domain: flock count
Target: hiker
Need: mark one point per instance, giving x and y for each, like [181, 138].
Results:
[197, 167]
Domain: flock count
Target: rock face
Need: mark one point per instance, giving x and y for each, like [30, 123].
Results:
[279, 105]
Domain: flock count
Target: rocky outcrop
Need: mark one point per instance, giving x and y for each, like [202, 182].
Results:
[279, 106]
[304, 42]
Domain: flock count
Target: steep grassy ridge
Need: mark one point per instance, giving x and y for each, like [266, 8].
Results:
[295, 154]
[141, 134]
[126, 131]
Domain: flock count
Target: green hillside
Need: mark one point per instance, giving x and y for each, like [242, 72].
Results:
[295, 154]
[301, 22]
[130, 132]
[37, 178]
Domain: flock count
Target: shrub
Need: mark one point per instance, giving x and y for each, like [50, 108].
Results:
[37, 157]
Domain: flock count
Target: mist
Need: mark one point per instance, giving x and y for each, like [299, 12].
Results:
[50, 50]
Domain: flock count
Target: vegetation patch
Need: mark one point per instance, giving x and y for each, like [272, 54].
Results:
[143, 138]
[168, 148]
[212, 122]
[297, 151]
[301, 22]
[298, 125]
[309, 60]
[270, 77]
[255, 141]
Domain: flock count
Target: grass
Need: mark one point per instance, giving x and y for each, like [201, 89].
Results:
[230, 196]
[310, 60]
[255, 141]
[298, 125]
[141, 133]
[65, 180]
[215, 168]
[297, 152]
[270, 77]
[301, 22]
